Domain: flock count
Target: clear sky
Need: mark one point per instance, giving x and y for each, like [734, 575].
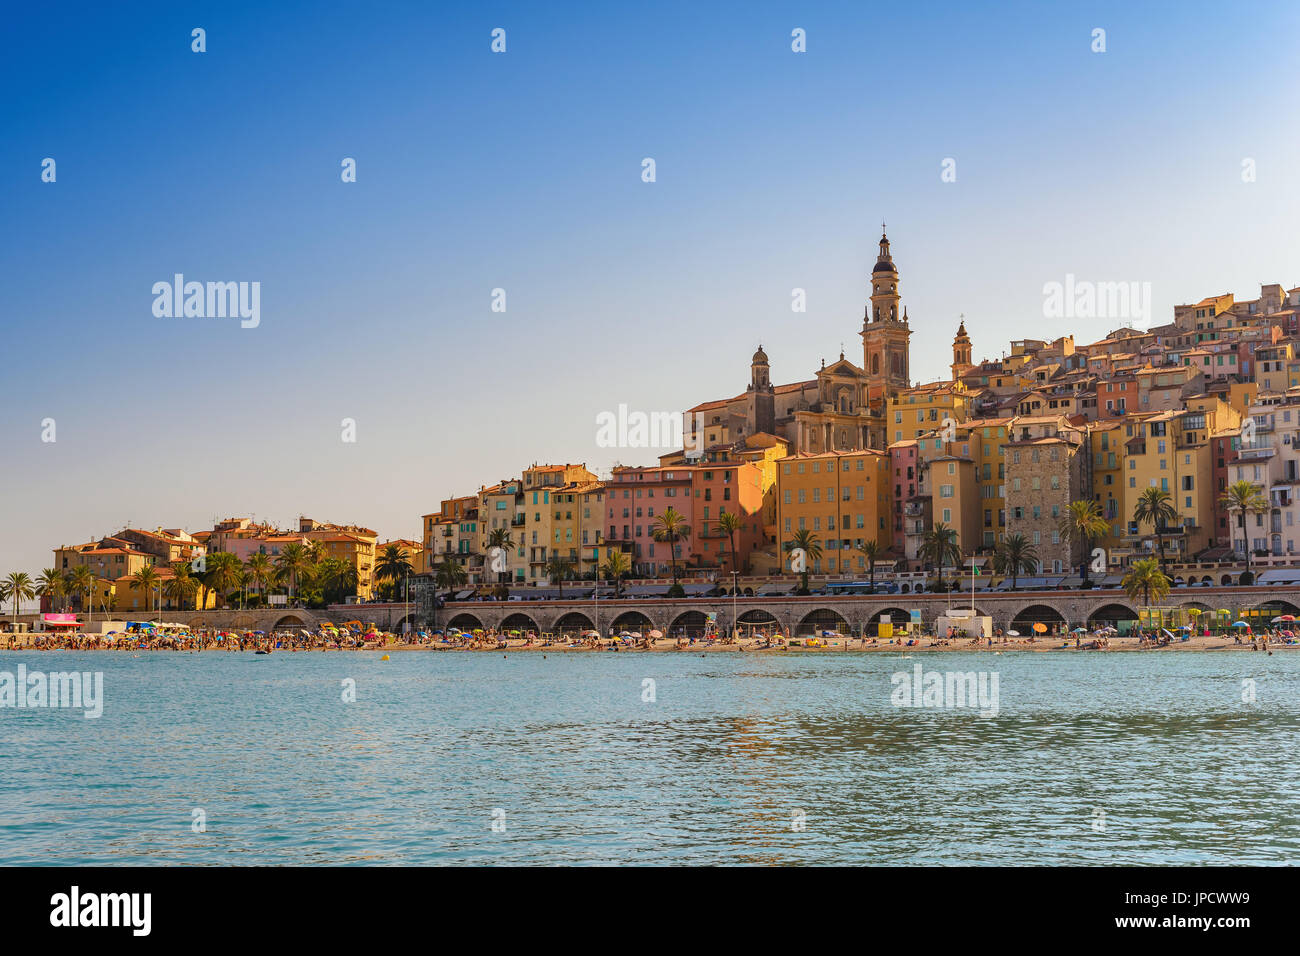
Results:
[522, 171]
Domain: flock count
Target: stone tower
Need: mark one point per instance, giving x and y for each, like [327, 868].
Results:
[961, 362]
[760, 397]
[885, 331]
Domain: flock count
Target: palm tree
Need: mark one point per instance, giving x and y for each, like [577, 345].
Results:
[805, 541]
[224, 574]
[559, 569]
[450, 574]
[616, 567]
[394, 565]
[1155, 507]
[50, 584]
[1245, 498]
[870, 551]
[1083, 523]
[81, 582]
[939, 546]
[293, 562]
[671, 526]
[1145, 578]
[18, 587]
[182, 584]
[146, 579]
[729, 523]
[260, 571]
[1014, 555]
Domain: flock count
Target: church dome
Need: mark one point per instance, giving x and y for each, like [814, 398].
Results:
[883, 266]
[760, 357]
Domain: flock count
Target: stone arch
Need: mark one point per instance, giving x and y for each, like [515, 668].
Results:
[688, 624]
[1226, 580]
[823, 619]
[1277, 606]
[573, 622]
[757, 615]
[465, 621]
[632, 621]
[1031, 614]
[518, 621]
[896, 615]
[289, 620]
[407, 618]
[1112, 614]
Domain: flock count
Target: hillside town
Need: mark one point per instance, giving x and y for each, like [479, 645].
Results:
[1057, 465]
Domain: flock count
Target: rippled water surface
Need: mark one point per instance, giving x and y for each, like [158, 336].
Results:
[1092, 758]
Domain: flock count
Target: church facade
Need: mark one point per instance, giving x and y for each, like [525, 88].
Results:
[842, 408]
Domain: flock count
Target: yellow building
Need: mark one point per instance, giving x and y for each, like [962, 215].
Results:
[549, 506]
[983, 441]
[843, 498]
[1273, 367]
[914, 411]
[1106, 443]
[1170, 451]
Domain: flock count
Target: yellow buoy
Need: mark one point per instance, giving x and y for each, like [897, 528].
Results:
[384, 658]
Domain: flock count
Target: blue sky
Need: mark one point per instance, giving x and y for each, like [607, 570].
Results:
[522, 171]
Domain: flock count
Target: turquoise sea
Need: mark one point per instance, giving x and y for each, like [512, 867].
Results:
[756, 758]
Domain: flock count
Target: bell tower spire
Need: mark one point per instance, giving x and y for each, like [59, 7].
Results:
[885, 330]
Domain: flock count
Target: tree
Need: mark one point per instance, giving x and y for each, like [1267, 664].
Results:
[260, 571]
[50, 584]
[559, 570]
[1244, 498]
[1083, 522]
[18, 587]
[450, 574]
[729, 523]
[1014, 555]
[1155, 507]
[805, 541]
[616, 567]
[225, 573]
[939, 546]
[670, 527]
[870, 551]
[146, 579]
[182, 584]
[1145, 578]
[394, 565]
[294, 562]
[81, 582]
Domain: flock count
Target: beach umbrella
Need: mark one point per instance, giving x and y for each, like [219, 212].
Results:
[1013, 633]
[1080, 630]
[1039, 627]
[1240, 624]
[656, 634]
[1287, 617]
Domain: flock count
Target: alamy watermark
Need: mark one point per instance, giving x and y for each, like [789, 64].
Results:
[1127, 302]
[213, 300]
[58, 690]
[946, 689]
[624, 428]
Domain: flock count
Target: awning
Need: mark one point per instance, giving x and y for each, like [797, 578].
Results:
[1279, 576]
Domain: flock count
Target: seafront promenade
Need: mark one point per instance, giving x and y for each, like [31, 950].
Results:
[856, 615]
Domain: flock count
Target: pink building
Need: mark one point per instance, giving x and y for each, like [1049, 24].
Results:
[903, 459]
[634, 498]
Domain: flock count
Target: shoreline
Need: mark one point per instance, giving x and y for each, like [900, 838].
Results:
[1202, 644]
